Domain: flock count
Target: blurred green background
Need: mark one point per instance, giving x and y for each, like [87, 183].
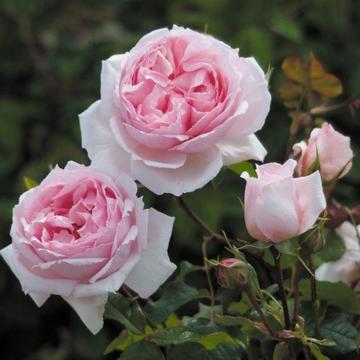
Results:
[51, 54]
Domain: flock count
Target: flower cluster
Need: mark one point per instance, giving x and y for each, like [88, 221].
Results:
[172, 112]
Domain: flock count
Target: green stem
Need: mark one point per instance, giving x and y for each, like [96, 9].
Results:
[296, 294]
[280, 280]
[208, 278]
[257, 307]
[314, 299]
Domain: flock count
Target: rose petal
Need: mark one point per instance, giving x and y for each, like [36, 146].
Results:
[105, 153]
[154, 267]
[279, 197]
[311, 199]
[241, 148]
[90, 310]
[197, 171]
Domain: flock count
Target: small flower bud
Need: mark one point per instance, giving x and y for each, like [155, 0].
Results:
[231, 273]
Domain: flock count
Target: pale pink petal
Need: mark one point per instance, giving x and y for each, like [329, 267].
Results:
[154, 267]
[334, 152]
[241, 148]
[151, 157]
[104, 152]
[197, 171]
[255, 92]
[90, 310]
[343, 269]
[111, 283]
[348, 233]
[252, 191]
[310, 198]
[33, 283]
[276, 215]
[110, 77]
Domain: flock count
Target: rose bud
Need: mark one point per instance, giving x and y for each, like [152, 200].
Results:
[278, 206]
[81, 234]
[231, 273]
[347, 268]
[175, 109]
[326, 150]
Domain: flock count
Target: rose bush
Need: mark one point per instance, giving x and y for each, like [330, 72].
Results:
[278, 206]
[81, 234]
[326, 150]
[175, 109]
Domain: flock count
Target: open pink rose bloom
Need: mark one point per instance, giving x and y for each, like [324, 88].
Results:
[175, 109]
[81, 234]
[278, 206]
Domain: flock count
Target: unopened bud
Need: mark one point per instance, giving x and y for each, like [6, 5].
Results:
[231, 273]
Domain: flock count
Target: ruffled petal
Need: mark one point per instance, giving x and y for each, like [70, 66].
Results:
[240, 148]
[197, 171]
[105, 153]
[90, 310]
[154, 267]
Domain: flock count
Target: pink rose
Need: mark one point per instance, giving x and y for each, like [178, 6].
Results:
[81, 234]
[327, 150]
[347, 268]
[175, 109]
[278, 206]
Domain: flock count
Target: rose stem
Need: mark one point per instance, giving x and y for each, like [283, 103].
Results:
[314, 299]
[254, 303]
[208, 277]
[280, 281]
[201, 223]
[296, 294]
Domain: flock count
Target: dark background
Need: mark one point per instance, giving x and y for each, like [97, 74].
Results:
[50, 61]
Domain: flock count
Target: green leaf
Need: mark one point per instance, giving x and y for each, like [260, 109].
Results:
[174, 336]
[337, 328]
[118, 308]
[189, 351]
[186, 268]
[211, 341]
[281, 351]
[337, 294]
[142, 351]
[29, 183]
[288, 28]
[173, 297]
[228, 320]
[239, 168]
[193, 351]
[334, 246]
[172, 321]
[315, 350]
[123, 341]
[183, 334]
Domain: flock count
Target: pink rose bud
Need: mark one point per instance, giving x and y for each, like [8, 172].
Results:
[278, 206]
[347, 268]
[81, 234]
[231, 273]
[327, 150]
[175, 109]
